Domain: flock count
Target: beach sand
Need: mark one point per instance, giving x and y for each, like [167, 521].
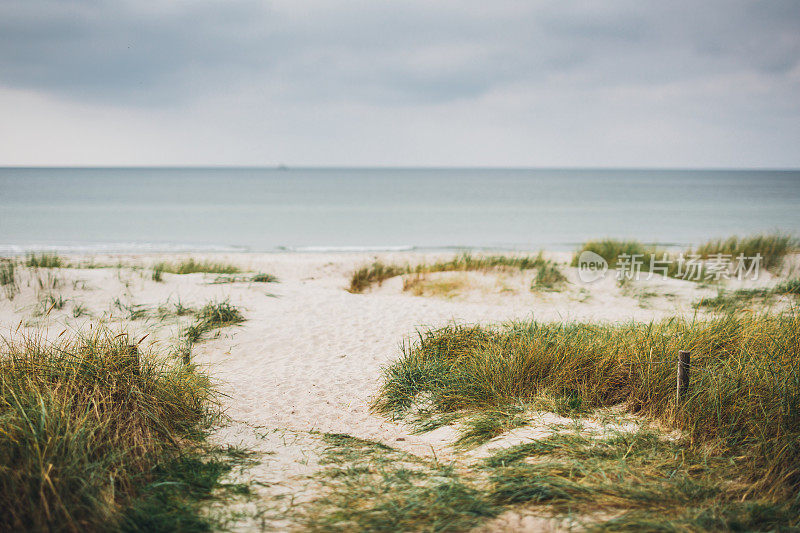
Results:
[309, 356]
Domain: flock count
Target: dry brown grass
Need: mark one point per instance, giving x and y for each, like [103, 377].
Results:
[423, 285]
[378, 272]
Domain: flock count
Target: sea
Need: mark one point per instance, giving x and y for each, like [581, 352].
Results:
[109, 210]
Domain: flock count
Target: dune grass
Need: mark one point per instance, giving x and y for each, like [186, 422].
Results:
[735, 300]
[84, 428]
[745, 384]
[180, 488]
[374, 274]
[163, 311]
[378, 272]
[772, 247]
[158, 273]
[488, 424]
[170, 309]
[468, 262]
[48, 302]
[548, 278]
[79, 310]
[7, 272]
[53, 260]
[49, 282]
[633, 474]
[612, 249]
[262, 277]
[255, 278]
[131, 311]
[368, 486]
[212, 316]
[740, 299]
[44, 260]
[8, 278]
[790, 286]
[191, 266]
[614, 481]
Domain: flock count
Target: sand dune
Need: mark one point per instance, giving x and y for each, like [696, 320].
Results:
[309, 355]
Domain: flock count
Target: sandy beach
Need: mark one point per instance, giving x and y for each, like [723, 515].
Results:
[308, 358]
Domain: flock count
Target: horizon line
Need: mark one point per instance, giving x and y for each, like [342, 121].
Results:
[285, 167]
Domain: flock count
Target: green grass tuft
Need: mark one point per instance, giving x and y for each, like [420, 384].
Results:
[734, 300]
[48, 302]
[791, 286]
[261, 277]
[376, 273]
[772, 248]
[158, 273]
[548, 278]
[132, 311]
[176, 309]
[487, 425]
[612, 249]
[44, 260]
[8, 278]
[191, 266]
[257, 278]
[79, 310]
[212, 316]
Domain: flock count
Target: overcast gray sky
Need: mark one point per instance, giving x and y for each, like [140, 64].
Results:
[408, 83]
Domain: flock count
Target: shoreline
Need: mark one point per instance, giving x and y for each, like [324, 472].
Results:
[85, 249]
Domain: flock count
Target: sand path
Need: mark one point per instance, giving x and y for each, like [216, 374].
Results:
[310, 355]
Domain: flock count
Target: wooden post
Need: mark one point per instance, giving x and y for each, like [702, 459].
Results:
[133, 359]
[683, 374]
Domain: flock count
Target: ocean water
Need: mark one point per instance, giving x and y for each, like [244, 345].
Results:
[253, 209]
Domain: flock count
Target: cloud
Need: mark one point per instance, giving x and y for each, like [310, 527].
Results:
[293, 74]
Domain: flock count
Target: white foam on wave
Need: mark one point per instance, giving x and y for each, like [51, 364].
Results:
[324, 249]
[150, 247]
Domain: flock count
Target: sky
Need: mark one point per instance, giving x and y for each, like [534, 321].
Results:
[617, 83]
